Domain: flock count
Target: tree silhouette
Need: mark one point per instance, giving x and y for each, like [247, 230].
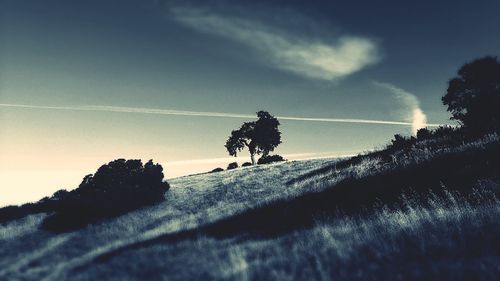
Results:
[116, 188]
[473, 97]
[260, 137]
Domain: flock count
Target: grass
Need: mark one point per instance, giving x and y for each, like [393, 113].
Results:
[452, 238]
[299, 220]
[387, 160]
[192, 201]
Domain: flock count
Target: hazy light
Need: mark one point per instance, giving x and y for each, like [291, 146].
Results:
[419, 120]
[417, 117]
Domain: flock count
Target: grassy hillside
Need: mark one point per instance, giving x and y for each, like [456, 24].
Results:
[425, 211]
[191, 201]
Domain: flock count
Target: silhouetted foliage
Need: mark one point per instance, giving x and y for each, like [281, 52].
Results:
[261, 136]
[270, 159]
[246, 164]
[424, 134]
[401, 142]
[232, 165]
[9, 213]
[473, 97]
[61, 194]
[444, 131]
[443, 136]
[216, 170]
[266, 133]
[117, 187]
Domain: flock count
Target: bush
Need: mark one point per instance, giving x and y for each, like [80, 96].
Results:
[11, 213]
[270, 159]
[424, 134]
[444, 131]
[232, 165]
[216, 170]
[61, 194]
[246, 164]
[401, 142]
[116, 188]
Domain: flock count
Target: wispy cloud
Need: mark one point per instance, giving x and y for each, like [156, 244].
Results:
[416, 115]
[139, 110]
[317, 58]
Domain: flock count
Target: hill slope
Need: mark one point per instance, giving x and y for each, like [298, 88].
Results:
[191, 201]
[304, 220]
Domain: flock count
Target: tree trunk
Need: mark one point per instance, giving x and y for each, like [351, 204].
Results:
[252, 150]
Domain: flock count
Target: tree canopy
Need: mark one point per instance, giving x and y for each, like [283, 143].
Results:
[260, 137]
[473, 97]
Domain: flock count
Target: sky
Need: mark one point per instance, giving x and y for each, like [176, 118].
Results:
[86, 82]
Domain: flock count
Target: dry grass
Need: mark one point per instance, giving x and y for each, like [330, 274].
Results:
[372, 163]
[448, 239]
[192, 201]
[452, 238]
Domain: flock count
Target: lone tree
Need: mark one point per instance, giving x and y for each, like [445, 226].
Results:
[261, 136]
[473, 97]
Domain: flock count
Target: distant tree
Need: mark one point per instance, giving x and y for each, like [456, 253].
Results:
[260, 137]
[232, 165]
[241, 138]
[473, 97]
[267, 134]
[246, 164]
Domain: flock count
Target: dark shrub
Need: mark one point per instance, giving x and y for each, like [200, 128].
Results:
[270, 159]
[116, 188]
[216, 170]
[424, 134]
[60, 194]
[16, 212]
[232, 165]
[401, 142]
[444, 131]
[246, 164]
[11, 213]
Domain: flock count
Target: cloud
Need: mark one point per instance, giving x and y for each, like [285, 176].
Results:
[416, 115]
[312, 57]
[139, 110]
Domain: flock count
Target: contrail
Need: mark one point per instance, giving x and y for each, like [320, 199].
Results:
[120, 109]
